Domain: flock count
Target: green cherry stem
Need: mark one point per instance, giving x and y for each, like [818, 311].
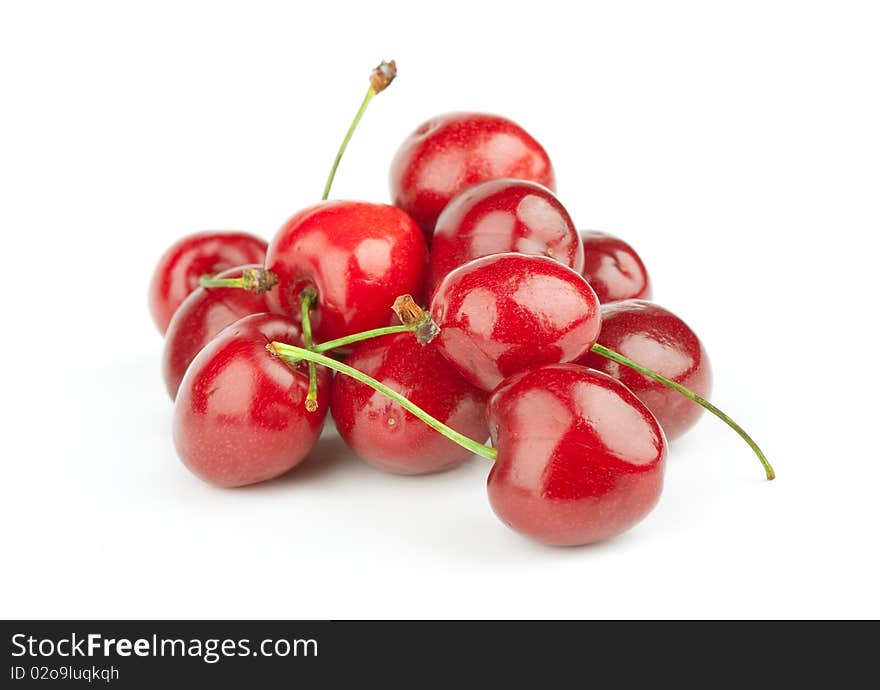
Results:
[419, 322]
[380, 78]
[344, 145]
[257, 280]
[307, 299]
[329, 345]
[603, 351]
[209, 281]
[414, 320]
[292, 354]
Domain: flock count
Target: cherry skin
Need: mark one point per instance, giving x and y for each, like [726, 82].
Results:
[613, 268]
[358, 256]
[178, 271]
[451, 152]
[499, 216]
[203, 314]
[505, 313]
[240, 415]
[580, 458]
[658, 339]
[381, 432]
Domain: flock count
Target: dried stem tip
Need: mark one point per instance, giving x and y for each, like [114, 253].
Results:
[407, 310]
[411, 314]
[383, 75]
[258, 280]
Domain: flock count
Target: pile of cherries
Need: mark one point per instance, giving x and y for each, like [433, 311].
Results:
[471, 309]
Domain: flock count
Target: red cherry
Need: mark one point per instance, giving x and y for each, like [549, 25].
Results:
[203, 314]
[505, 313]
[449, 153]
[358, 256]
[499, 216]
[659, 340]
[613, 269]
[240, 415]
[580, 458]
[178, 271]
[381, 432]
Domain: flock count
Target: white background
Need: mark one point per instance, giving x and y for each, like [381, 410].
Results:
[736, 145]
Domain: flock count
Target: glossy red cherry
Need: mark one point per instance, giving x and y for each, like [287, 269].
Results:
[358, 256]
[203, 314]
[449, 153]
[381, 432]
[505, 313]
[613, 268]
[580, 458]
[500, 216]
[659, 340]
[240, 414]
[178, 271]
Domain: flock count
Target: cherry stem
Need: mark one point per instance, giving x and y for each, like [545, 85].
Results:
[292, 354]
[256, 280]
[686, 392]
[328, 345]
[415, 320]
[380, 78]
[307, 299]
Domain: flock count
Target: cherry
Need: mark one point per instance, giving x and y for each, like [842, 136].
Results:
[203, 314]
[580, 458]
[502, 314]
[661, 341]
[449, 153]
[500, 216]
[381, 432]
[178, 272]
[357, 256]
[613, 268]
[240, 416]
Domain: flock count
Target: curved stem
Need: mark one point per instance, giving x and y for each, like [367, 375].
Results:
[344, 145]
[307, 299]
[686, 392]
[380, 78]
[414, 320]
[292, 354]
